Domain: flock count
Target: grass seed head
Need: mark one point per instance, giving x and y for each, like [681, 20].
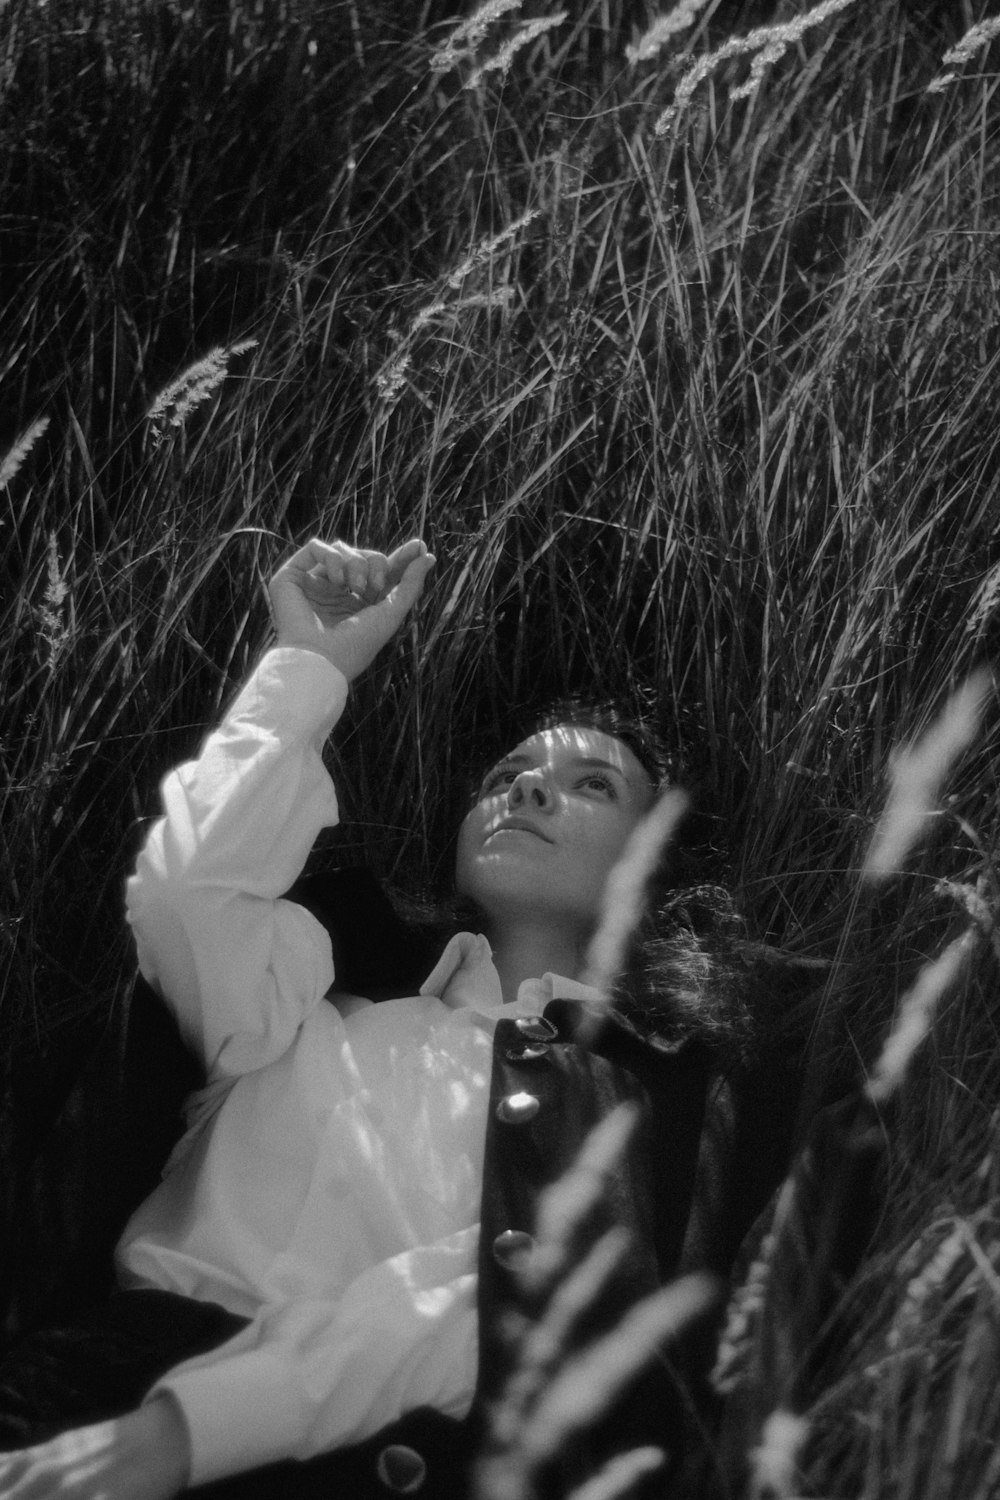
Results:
[916, 774]
[587, 1384]
[624, 893]
[53, 626]
[19, 450]
[976, 39]
[663, 29]
[485, 251]
[771, 42]
[195, 384]
[500, 62]
[984, 601]
[916, 1013]
[927, 1283]
[620, 1475]
[774, 1463]
[464, 40]
[566, 1204]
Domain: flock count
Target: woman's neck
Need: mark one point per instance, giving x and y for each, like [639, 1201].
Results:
[526, 952]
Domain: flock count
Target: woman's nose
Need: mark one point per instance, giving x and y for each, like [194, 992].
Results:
[530, 787]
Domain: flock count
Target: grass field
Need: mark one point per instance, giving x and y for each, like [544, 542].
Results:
[686, 367]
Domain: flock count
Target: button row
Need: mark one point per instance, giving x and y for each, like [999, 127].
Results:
[512, 1246]
[401, 1469]
[537, 1032]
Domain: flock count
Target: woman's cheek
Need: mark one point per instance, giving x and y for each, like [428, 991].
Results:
[468, 844]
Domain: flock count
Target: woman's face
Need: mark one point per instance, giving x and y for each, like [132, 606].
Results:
[551, 820]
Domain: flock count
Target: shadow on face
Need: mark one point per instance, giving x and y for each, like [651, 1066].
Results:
[551, 820]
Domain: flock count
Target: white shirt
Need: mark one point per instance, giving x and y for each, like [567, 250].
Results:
[328, 1186]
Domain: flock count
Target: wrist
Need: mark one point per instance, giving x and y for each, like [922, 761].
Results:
[315, 649]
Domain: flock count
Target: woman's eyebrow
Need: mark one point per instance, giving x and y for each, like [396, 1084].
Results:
[599, 764]
[516, 759]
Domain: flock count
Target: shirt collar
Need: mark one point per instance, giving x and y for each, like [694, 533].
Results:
[465, 976]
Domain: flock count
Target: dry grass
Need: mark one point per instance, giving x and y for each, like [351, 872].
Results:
[700, 412]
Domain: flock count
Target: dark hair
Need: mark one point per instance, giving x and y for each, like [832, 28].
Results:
[692, 968]
[611, 717]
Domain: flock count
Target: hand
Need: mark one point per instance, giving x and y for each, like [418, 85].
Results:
[346, 602]
[143, 1456]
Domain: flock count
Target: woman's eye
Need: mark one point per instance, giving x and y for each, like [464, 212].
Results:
[603, 782]
[503, 774]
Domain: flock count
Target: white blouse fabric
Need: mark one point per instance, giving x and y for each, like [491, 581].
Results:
[328, 1185]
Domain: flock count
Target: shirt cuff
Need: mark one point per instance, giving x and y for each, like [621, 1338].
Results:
[241, 1413]
[294, 693]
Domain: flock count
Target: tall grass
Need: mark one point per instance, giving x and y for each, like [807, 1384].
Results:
[705, 414]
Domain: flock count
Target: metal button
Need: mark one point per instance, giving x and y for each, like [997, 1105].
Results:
[536, 1028]
[518, 1109]
[511, 1247]
[401, 1469]
[531, 1053]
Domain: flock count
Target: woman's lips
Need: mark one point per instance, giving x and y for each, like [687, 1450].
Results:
[519, 825]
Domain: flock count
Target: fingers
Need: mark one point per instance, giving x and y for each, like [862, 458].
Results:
[368, 574]
[400, 560]
[340, 565]
[346, 602]
[409, 588]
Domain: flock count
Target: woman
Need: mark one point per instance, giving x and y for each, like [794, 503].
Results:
[336, 1228]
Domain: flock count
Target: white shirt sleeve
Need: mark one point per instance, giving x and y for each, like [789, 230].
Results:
[310, 1376]
[240, 967]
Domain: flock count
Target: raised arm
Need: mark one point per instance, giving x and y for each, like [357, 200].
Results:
[240, 966]
[344, 602]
